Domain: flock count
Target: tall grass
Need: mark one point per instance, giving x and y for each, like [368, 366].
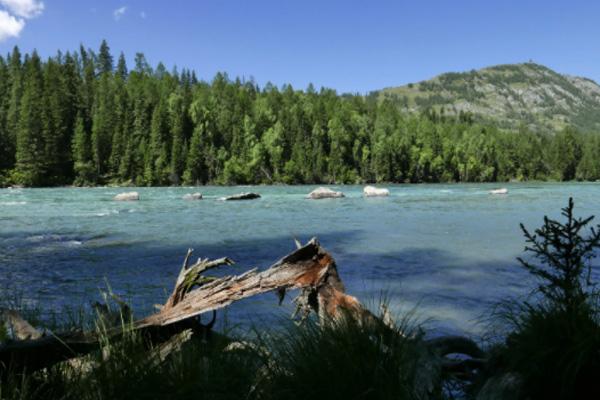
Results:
[335, 360]
[343, 360]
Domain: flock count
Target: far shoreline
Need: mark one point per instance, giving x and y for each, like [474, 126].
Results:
[117, 186]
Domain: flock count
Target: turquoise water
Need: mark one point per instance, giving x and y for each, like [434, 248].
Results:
[448, 249]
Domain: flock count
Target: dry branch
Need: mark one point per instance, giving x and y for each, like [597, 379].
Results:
[17, 326]
[309, 268]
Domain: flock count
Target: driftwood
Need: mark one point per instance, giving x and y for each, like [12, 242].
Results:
[17, 326]
[309, 268]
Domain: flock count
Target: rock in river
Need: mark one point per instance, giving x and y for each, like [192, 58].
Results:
[241, 196]
[324, 193]
[128, 196]
[192, 196]
[499, 191]
[372, 191]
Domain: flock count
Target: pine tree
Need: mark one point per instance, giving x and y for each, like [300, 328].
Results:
[121, 71]
[82, 154]
[15, 71]
[157, 162]
[31, 165]
[56, 124]
[103, 124]
[105, 59]
[6, 141]
[195, 170]
[88, 86]
[176, 116]
[122, 125]
[566, 154]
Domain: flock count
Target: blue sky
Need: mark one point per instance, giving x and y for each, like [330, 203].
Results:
[352, 46]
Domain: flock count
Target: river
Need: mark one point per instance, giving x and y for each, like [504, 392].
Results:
[446, 251]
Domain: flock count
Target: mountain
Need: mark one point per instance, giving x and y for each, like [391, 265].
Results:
[510, 95]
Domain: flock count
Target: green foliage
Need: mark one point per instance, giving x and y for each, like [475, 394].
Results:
[553, 346]
[85, 172]
[339, 359]
[31, 158]
[565, 259]
[77, 119]
[343, 360]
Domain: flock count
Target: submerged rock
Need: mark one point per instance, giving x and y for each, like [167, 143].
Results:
[372, 191]
[241, 196]
[192, 196]
[128, 196]
[499, 191]
[324, 193]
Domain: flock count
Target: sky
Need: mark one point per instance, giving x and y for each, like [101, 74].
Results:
[351, 46]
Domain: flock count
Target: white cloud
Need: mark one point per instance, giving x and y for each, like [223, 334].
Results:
[143, 14]
[10, 26]
[118, 13]
[13, 14]
[24, 8]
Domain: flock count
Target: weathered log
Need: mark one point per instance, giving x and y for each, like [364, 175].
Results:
[309, 268]
[17, 326]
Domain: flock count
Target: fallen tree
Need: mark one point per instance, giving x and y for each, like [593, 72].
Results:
[310, 269]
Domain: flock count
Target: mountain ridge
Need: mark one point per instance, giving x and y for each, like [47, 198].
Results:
[510, 95]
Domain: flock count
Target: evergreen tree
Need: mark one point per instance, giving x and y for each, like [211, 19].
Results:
[121, 71]
[105, 59]
[157, 162]
[85, 173]
[6, 140]
[31, 165]
[15, 72]
[177, 116]
[566, 154]
[195, 170]
[103, 124]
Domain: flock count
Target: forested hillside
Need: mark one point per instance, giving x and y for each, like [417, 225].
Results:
[511, 95]
[80, 118]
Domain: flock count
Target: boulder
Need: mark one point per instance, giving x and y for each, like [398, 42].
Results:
[499, 191]
[372, 191]
[128, 196]
[241, 196]
[324, 193]
[192, 196]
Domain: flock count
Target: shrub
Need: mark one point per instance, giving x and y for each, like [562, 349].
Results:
[554, 347]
